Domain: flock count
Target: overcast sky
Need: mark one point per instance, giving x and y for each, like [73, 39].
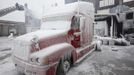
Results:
[37, 6]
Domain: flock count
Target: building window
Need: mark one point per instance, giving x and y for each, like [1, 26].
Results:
[104, 3]
[129, 15]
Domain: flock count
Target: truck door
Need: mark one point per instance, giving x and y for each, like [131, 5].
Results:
[81, 31]
[86, 31]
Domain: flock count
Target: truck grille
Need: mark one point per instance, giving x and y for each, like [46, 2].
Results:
[21, 50]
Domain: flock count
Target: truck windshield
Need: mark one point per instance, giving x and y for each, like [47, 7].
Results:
[56, 25]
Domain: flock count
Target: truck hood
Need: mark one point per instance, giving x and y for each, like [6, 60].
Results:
[41, 34]
[22, 44]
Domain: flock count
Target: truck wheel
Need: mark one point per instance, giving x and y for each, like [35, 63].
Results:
[63, 67]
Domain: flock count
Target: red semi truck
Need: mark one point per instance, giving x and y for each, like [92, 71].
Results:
[65, 38]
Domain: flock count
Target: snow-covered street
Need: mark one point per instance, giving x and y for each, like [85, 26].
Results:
[112, 60]
[6, 64]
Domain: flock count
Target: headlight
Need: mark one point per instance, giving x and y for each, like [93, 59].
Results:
[40, 61]
[37, 60]
[32, 60]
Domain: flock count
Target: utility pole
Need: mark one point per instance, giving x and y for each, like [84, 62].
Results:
[121, 4]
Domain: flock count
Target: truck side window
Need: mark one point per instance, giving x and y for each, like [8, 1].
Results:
[129, 15]
[75, 22]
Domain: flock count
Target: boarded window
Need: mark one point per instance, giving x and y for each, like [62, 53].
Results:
[129, 15]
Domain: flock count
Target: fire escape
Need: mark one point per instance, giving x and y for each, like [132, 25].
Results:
[11, 9]
[6, 27]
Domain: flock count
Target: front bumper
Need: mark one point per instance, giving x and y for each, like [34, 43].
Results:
[28, 68]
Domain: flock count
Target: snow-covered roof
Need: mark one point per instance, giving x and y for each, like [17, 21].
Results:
[70, 9]
[17, 16]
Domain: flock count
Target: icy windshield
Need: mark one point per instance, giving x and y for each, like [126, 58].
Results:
[55, 25]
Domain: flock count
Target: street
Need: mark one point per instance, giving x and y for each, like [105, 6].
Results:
[112, 60]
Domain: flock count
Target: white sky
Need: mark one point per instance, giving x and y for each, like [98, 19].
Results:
[38, 6]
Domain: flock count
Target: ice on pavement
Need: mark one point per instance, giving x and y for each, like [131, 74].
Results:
[6, 65]
[106, 62]
[5, 47]
[5, 43]
[5, 55]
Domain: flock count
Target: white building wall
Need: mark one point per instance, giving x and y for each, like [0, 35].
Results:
[100, 28]
[106, 2]
[127, 0]
[105, 11]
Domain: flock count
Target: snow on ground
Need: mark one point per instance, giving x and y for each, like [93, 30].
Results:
[5, 54]
[5, 48]
[112, 60]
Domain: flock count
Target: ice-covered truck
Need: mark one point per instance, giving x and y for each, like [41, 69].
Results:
[65, 38]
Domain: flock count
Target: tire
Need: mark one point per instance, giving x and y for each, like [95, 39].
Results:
[63, 66]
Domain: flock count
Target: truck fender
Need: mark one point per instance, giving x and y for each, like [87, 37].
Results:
[66, 55]
[54, 52]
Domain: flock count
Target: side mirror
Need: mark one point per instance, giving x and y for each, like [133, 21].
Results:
[35, 40]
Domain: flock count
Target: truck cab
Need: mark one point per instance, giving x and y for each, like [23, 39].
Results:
[65, 38]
